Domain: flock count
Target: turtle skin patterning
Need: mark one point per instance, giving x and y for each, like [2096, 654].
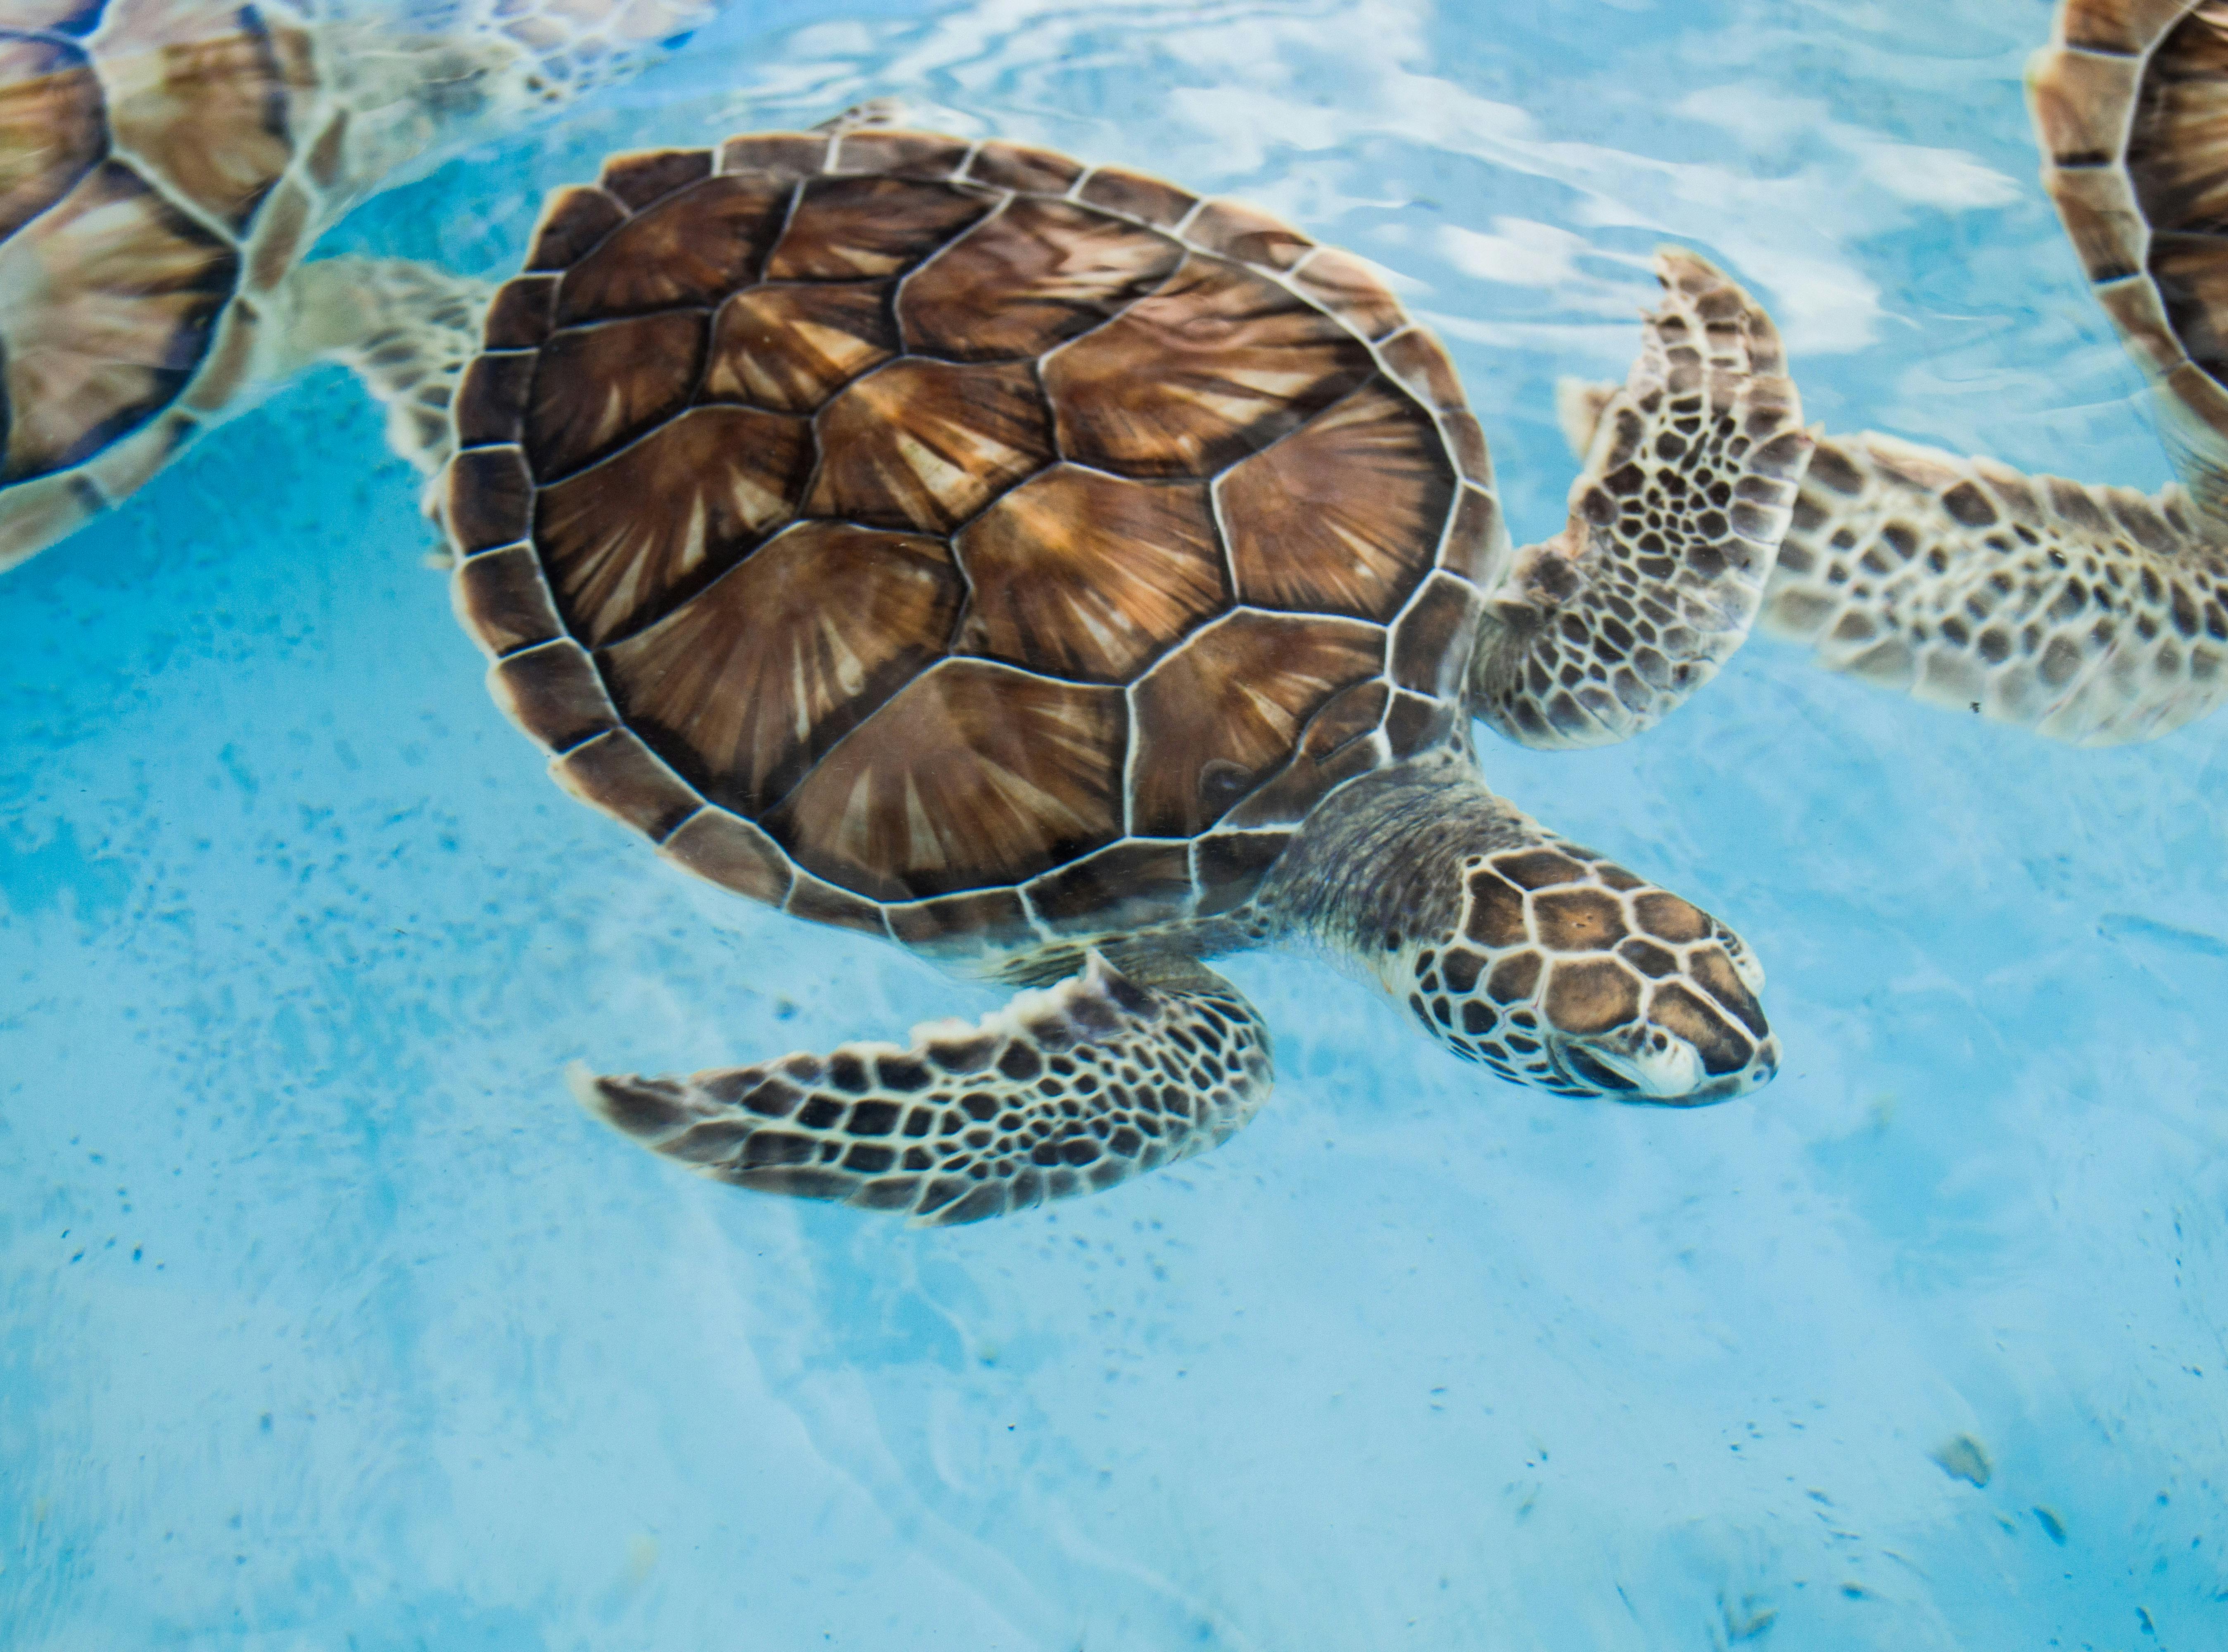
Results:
[950, 541]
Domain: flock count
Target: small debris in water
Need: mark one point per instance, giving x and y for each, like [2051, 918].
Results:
[1748, 1621]
[2053, 1527]
[1963, 1457]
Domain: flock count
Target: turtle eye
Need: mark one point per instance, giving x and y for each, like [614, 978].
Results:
[1221, 784]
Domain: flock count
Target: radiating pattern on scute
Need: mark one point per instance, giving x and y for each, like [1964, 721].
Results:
[972, 522]
[923, 443]
[100, 351]
[791, 347]
[1215, 365]
[725, 476]
[1039, 273]
[51, 131]
[750, 681]
[1330, 518]
[122, 206]
[1087, 574]
[974, 774]
[694, 248]
[596, 388]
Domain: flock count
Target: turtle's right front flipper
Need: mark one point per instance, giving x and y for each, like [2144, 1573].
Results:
[1691, 467]
[1064, 1091]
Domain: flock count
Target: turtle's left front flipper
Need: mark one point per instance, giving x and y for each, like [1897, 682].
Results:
[1691, 469]
[406, 329]
[1064, 1091]
[2092, 615]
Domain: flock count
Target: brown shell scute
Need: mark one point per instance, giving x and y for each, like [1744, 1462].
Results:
[844, 228]
[693, 248]
[1023, 281]
[1088, 575]
[976, 774]
[2174, 150]
[785, 156]
[898, 154]
[1130, 883]
[2192, 284]
[1014, 553]
[596, 388]
[1238, 231]
[752, 681]
[573, 221]
[1017, 166]
[51, 129]
[924, 443]
[647, 175]
[99, 355]
[791, 347]
[1344, 516]
[208, 114]
[1217, 363]
[1220, 715]
[725, 477]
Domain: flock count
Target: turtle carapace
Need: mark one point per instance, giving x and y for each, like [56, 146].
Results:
[1072, 580]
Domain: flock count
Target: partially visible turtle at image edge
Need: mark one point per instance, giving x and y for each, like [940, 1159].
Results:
[165, 164]
[2091, 614]
[1071, 580]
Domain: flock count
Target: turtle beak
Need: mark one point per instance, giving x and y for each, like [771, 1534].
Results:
[1655, 1067]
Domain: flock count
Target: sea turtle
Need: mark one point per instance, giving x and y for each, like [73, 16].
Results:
[2091, 614]
[1072, 580]
[164, 164]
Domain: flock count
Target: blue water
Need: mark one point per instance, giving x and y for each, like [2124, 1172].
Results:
[327, 1321]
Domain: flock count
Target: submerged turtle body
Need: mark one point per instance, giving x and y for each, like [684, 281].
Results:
[164, 164]
[952, 542]
[1073, 580]
[136, 266]
[2090, 614]
[2130, 109]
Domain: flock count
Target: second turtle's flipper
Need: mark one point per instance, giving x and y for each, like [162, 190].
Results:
[417, 84]
[1064, 1091]
[1691, 467]
[2093, 615]
[406, 329]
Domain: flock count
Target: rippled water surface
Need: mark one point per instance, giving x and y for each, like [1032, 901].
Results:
[327, 1321]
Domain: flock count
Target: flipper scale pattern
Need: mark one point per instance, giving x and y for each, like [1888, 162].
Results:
[1066, 1090]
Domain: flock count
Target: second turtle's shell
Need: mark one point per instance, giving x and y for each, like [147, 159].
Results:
[163, 165]
[951, 540]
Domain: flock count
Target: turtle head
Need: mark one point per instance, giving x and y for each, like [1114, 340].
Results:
[1565, 970]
